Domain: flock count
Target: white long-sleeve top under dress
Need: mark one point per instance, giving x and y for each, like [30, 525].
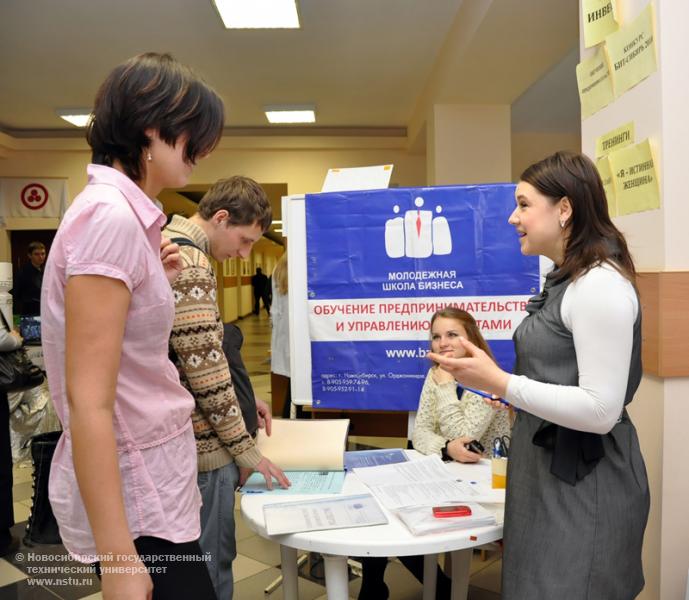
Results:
[599, 309]
[443, 417]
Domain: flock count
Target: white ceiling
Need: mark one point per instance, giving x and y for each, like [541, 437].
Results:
[556, 97]
[362, 62]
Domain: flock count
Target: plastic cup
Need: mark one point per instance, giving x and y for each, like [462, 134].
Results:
[499, 472]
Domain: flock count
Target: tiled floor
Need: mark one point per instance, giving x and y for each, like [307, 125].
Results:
[258, 560]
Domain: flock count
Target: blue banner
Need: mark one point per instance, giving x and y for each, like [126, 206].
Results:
[381, 262]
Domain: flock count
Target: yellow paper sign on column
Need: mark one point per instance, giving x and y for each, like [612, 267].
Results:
[615, 139]
[632, 52]
[603, 166]
[599, 20]
[595, 84]
[636, 179]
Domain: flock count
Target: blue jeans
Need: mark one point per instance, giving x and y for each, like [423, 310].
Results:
[217, 525]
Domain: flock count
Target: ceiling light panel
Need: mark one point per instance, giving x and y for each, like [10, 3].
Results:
[291, 114]
[258, 14]
[76, 116]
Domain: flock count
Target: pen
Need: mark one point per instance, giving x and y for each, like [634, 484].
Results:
[486, 395]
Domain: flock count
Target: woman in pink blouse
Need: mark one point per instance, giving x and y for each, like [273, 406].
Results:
[123, 478]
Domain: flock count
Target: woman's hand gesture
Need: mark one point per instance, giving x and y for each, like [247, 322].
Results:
[475, 370]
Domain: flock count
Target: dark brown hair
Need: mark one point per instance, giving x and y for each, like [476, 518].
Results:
[471, 327]
[152, 91]
[33, 246]
[592, 237]
[242, 198]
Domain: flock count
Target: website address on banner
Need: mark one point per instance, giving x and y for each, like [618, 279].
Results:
[59, 581]
[406, 352]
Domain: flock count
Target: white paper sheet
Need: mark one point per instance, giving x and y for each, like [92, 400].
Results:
[428, 468]
[425, 481]
[331, 513]
[357, 178]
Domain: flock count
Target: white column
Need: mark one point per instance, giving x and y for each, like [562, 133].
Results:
[659, 242]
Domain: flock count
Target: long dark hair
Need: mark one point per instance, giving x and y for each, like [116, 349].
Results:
[592, 237]
[470, 326]
[152, 91]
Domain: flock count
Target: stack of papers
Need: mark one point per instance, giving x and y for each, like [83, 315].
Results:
[423, 482]
[373, 458]
[331, 513]
[420, 520]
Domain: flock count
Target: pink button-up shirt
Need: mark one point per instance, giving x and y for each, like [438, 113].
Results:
[113, 229]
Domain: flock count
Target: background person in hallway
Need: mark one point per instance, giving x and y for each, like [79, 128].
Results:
[26, 294]
[261, 288]
[9, 340]
[123, 477]
[232, 216]
[279, 334]
[577, 492]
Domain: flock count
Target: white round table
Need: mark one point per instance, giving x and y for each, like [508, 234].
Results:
[393, 539]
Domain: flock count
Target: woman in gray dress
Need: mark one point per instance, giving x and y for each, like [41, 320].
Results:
[577, 493]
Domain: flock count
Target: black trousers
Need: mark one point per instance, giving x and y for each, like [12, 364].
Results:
[6, 506]
[174, 579]
[372, 581]
[265, 296]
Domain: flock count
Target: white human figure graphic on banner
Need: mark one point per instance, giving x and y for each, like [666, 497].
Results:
[417, 231]
[394, 235]
[442, 239]
[418, 235]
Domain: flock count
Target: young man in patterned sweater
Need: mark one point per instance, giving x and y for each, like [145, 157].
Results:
[231, 217]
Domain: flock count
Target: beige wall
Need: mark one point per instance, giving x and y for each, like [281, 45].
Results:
[303, 170]
[529, 147]
[231, 312]
[468, 144]
[301, 163]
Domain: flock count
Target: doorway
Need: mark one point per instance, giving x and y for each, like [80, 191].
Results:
[20, 240]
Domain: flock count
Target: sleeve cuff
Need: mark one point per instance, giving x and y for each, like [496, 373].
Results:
[513, 385]
[249, 459]
[103, 270]
[432, 446]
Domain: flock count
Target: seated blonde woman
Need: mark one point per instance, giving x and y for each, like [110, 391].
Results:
[448, 419]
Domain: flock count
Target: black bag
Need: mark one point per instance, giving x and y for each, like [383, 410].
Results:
[41, 527]
[17, 372]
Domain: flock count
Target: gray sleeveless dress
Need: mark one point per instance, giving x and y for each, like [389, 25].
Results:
[563, 541]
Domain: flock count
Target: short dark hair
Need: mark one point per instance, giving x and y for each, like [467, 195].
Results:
[243, 198]
[592, 236]
[33, 246]
[152, 91]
